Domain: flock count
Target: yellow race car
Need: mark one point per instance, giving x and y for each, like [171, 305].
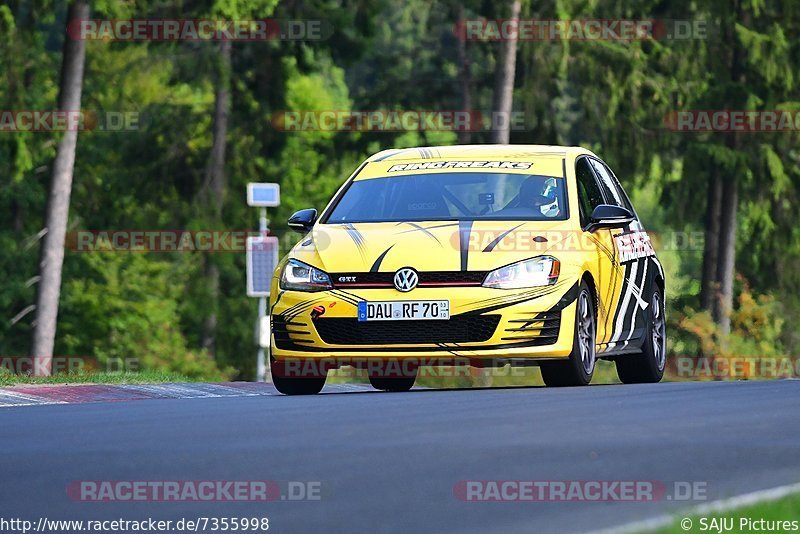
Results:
[470, 255]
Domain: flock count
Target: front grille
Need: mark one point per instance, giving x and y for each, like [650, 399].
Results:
[457, 329]
[429, 278]
[541, 329]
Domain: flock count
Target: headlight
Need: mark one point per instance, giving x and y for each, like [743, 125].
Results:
[298, 276]
[539, 271]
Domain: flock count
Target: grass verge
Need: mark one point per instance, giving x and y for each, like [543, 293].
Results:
[144, 377]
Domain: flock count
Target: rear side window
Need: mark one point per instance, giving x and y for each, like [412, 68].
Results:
[625, 199]
[610, 186]
[589, 195]
[607, 184]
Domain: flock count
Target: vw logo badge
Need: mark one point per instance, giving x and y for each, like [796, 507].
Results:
[406, 279]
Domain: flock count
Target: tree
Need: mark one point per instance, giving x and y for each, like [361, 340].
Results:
[52, 251]
[465, 75]
[504, 81]
[216, 182]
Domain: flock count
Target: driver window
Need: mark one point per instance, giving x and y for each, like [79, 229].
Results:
[589, 195]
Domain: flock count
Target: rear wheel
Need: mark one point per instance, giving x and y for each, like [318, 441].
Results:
[648, 366]
[393, 380]
[579, 368]
[301, 381]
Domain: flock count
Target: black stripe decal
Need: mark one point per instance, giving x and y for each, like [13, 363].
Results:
[277, 300]
[629, 317]
[345, 298]
[290, 309]
[464, 229]
[393, 154]
[418, 228]
[511, 302]
[342, 293]
[623, 289]
[630, 313]
[427, 227]
[356, 236]
[389, 155]
[490, 247]
[635, 298]
[377, 264]
[303, 307]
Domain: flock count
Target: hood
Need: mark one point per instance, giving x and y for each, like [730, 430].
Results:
[427, 246]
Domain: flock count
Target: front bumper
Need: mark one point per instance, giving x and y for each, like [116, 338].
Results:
[485, 324]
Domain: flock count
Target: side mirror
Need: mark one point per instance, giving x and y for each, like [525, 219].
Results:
[609, 216]
[303, 220]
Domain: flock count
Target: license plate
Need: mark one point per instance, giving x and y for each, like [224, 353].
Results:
[404, 310]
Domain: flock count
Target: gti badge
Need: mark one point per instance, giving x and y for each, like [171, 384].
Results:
[406, 279]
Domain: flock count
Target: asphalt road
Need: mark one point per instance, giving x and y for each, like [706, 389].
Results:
[389, 461]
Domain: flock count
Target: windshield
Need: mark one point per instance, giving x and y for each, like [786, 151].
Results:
[452, 196]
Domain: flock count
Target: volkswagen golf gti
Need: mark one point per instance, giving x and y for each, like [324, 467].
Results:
[470, 255]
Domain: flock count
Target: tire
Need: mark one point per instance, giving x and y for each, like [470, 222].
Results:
[296, 385]
[647, 366]
[579, 368]
[403, 382]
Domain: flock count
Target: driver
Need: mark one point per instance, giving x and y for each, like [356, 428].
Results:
[531, 197]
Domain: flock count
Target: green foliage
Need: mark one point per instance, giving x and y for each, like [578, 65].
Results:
[756, 329]
[125, 308]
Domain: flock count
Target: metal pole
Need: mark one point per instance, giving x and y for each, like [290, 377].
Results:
[261, 366]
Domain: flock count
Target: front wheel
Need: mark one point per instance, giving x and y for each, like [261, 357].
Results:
[648, 366]
[578, 370]
[290, 380]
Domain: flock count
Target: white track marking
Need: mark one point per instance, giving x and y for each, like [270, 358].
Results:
[137, 392]
[14, 398]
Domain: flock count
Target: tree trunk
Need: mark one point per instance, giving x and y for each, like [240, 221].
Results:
[730, 193]
[51, 257]
[465, 76]
[504, 84]
[727, 255]
[710, 286]
[215, 186]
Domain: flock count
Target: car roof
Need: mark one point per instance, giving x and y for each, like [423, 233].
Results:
[478, 151]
